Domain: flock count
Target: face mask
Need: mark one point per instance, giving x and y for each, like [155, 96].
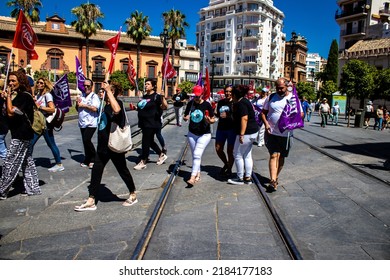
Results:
[257, 95]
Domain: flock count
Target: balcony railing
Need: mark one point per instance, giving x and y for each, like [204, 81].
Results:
[355, 11]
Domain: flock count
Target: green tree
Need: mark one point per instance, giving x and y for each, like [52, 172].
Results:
[332, 66]
[306, 89]
[175, 23]
[186, 86]
[328, 87]
[357, 80]
[87, 23]
[121, 77]
[382, 82]
[138, 29]
[30, 9]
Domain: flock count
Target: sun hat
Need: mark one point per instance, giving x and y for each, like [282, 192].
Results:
[369, 102]
[265, 89]
[197, 90]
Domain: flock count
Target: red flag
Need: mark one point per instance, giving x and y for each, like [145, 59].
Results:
[25, 37]
[206, 92]
[167, 69]
[112, 45]
[131, 71]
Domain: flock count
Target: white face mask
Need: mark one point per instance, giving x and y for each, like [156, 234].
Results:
[257, 95]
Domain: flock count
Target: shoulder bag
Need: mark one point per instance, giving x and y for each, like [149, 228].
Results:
[120, 140]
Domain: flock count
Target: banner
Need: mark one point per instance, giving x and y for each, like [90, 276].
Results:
[291, 116]
[131, 73]
[25, 37]
[167, 69]
[206, 91]
[112, 45]
[61, 94]
[200, 81]
[79, 75]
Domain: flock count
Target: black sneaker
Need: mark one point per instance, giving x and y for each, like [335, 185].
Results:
[248, 181]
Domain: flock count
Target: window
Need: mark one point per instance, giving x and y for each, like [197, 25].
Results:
[55, 26]
[151, 71]
[55, 63]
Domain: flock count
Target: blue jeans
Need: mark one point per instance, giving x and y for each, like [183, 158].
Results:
[51, 143]
[3, 146]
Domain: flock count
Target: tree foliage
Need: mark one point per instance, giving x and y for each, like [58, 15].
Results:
[121, 77]
[332, 66]
[87, 23]
[138, 29]
[186, 86]
[357, 80]
[382, 81]
[175, 23]
[30, 9]
[306, 89]
[327, 89]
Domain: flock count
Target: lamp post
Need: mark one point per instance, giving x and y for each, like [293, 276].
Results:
[13, 62]
[212, 62]
[163, 39]
[21, 63]
[293, 42]
[312, 78]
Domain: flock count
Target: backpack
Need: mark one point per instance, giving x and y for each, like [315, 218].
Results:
[56, 119]
[39, 123]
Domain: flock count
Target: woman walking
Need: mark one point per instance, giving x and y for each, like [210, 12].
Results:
[113, 112]
[45, 103]
[20, 113]
[201, 115]
[246, 130]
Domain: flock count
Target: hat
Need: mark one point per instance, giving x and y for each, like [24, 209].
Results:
[324, 99]
[369, 102]
[177, 89]
[265, 89]
[197, 90]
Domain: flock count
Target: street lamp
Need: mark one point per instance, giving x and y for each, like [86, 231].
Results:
[212, 63]
[13, 62]
[163, 39]
[21, 63]
[293, 42]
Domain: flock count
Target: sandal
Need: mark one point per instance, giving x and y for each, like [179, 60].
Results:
[85, 207]
[274, 184]
[191, 181]
[130, 201]
[197, 178]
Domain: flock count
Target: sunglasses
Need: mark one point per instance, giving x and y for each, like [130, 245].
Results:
[87, 86]
[40, 83]
[228, 91]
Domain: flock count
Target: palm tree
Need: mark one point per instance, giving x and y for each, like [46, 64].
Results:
[138, 29]
[30, 9]
[174, 22]
[87, 23]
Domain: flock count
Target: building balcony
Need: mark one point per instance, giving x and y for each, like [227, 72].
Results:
[217, 50]
[350, 14]
[384, 12]
[250, 49]
[354, 32]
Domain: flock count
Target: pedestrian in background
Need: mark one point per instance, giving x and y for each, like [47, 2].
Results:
[324, 111]
[20, 114]
[45, 103]
[178, 102]
[378, 117]
[87, 106]
[305, 107]
[200, 114]
[335, 113]
[310, 110]
[246, 129]
[259, 105]
[368, 113]
[225, 132]
[150, 109]
[113, 111]
[278, 143]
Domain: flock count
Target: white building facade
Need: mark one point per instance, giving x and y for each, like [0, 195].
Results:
[313, 66]
[241, 42]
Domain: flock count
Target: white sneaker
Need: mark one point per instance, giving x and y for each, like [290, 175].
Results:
[161, 159]
[141, 165]
[56, 168]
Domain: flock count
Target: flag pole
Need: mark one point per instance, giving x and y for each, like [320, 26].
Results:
[8, 67]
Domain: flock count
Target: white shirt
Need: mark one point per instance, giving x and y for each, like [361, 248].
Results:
[87, 118]
[275, 108]
[43, 100]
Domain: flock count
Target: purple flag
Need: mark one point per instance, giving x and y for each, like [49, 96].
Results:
[200, 81]
[291, 115]
[61, 94]
[79, 75]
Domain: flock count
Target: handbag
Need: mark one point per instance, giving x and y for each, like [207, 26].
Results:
[120, 140]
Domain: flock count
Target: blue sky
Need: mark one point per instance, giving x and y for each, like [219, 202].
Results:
[312, 19]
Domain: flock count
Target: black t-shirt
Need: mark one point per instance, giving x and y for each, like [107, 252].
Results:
[178, 99]
[18, 124]
[149, 111]
[104, 126]
[244, 108]
[198, 125]
[225, 106]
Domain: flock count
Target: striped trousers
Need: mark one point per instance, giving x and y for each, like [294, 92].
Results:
[19, 158]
